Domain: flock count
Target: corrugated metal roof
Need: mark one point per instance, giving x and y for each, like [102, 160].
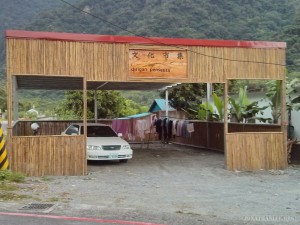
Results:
[135, 116]
[139, 115]
[159, 105]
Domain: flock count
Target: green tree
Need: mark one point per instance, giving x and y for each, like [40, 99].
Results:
[186, 97]
[132, 108]
[292, 36]
[145, 98]
[110, 105]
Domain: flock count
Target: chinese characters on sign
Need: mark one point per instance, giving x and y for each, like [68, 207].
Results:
[157, 63]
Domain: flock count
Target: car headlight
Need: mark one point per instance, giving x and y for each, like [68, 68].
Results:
[126, 147]
[93, 147]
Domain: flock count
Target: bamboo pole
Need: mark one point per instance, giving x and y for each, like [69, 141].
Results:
[284, 122]
[9, 65]
[85, 123]
[225, 121]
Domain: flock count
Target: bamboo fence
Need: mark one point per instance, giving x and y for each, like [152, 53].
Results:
[255, 151]
[48, 155]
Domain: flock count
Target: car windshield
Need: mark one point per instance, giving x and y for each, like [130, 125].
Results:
[99, 131]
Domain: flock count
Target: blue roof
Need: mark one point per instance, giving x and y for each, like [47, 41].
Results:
[159, 105]
[135, 116]
[139, 115]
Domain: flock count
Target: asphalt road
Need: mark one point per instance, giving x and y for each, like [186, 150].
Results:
[128, 218]
[10, 218]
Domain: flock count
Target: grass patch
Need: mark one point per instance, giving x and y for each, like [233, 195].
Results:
[8, 187]
[8, 175]
[8, 196]
[53, 199]
[47, 178]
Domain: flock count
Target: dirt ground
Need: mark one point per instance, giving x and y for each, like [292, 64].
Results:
[171, 184]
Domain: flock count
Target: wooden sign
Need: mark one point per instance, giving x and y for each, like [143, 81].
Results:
[157, 63]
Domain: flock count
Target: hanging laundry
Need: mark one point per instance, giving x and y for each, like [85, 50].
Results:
[185, 133]
[190, 127]
[179, 130]
[170, 129]
[174, 126]
[165, 128]
[121, 126]
[158, 126]
[142, 126]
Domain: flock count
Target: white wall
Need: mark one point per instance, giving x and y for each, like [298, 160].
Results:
[296, 123]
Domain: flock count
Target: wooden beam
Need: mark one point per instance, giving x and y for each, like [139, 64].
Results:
[15, 98]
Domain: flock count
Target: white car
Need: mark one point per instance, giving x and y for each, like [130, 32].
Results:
[103, 143]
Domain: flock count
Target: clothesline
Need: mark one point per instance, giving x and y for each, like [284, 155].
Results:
[168, 129]
[135, 129]
[173, 117]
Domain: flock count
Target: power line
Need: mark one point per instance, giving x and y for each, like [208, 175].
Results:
[161, 43]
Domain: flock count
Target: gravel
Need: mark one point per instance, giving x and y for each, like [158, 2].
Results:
[171, 184]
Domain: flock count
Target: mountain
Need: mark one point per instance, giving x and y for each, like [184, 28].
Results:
[206, 19]
[203, 19]
[291, 35]
[212, 19]
[268, 20]
[16, 14]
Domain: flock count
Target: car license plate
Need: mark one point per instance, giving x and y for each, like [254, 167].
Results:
[113, 156]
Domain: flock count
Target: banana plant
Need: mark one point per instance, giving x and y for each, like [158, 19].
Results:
[238, 107]
[274, 95]
[206, 110]
[219, 105]
[242, 110]
[293, 101]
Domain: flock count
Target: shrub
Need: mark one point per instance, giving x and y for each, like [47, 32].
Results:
[8, 175]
